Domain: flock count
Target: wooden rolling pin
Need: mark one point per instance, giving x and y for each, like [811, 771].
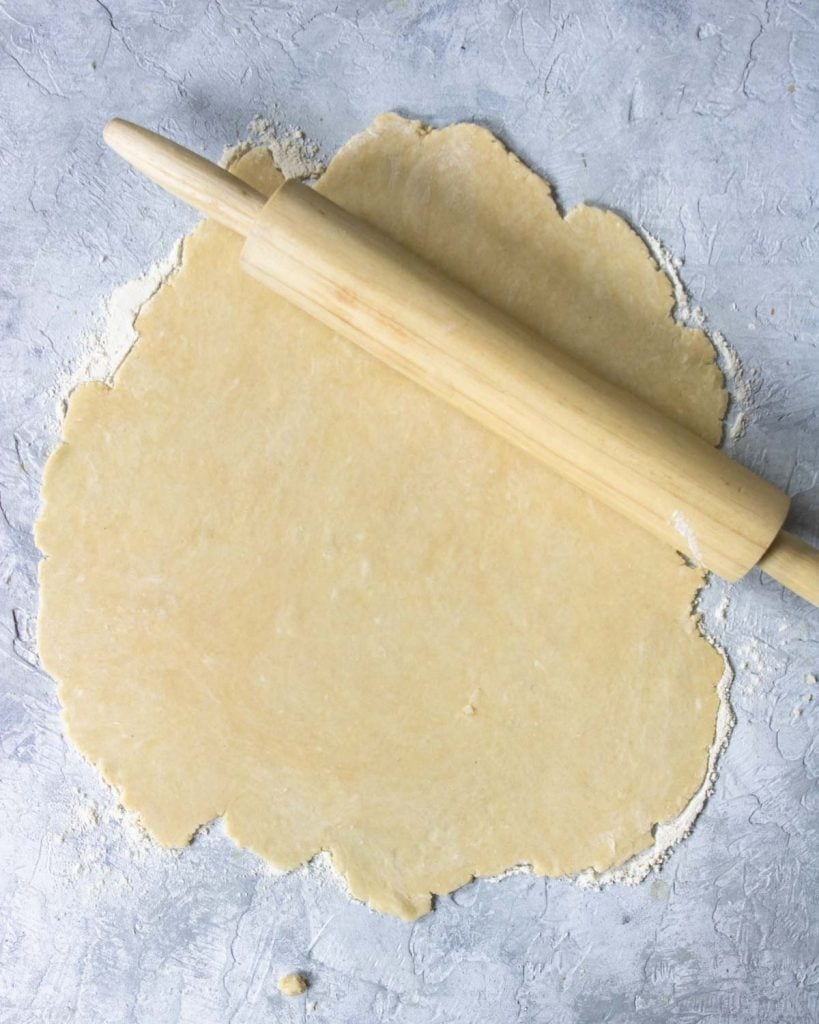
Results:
[376, 293]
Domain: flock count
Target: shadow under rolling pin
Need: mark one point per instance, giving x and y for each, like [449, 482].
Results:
[399, 308]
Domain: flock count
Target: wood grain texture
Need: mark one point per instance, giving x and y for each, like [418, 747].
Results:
[442, 336]
[187, 175]
[795, 564]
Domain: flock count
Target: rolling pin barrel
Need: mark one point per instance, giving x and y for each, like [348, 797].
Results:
[616, 447]
[402, 310]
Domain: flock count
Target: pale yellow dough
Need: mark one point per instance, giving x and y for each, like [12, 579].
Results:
[286, 586]
[293, 985]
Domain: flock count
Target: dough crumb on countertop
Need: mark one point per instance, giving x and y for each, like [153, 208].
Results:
[293, 985]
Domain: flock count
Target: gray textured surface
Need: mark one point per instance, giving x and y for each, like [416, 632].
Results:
[696, 120]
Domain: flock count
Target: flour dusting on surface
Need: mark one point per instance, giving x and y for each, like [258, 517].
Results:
[114, 334]
[686, 531]
[741, 384]
[293, 154]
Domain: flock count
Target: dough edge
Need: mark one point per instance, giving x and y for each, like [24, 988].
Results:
[667, 834]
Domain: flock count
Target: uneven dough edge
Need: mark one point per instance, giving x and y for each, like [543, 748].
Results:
[416, 904]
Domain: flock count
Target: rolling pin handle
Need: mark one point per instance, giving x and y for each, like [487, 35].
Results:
[793, 563]
[211, 189]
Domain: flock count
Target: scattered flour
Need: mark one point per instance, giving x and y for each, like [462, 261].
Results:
[88, 815]
[741, 384]
[292, 153]
[721, 611]
[89, 823]
[686, 531]
[113, 334]
[102, 850]
[801, 705]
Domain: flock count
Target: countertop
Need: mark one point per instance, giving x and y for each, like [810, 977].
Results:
[698, 122]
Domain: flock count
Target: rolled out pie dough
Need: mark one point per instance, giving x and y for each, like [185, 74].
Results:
[286, 586]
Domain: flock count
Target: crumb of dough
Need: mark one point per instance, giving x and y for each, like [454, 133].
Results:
[311, 1006]
[293, 985]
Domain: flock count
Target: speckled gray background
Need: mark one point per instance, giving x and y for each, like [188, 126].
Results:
[698, 121]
